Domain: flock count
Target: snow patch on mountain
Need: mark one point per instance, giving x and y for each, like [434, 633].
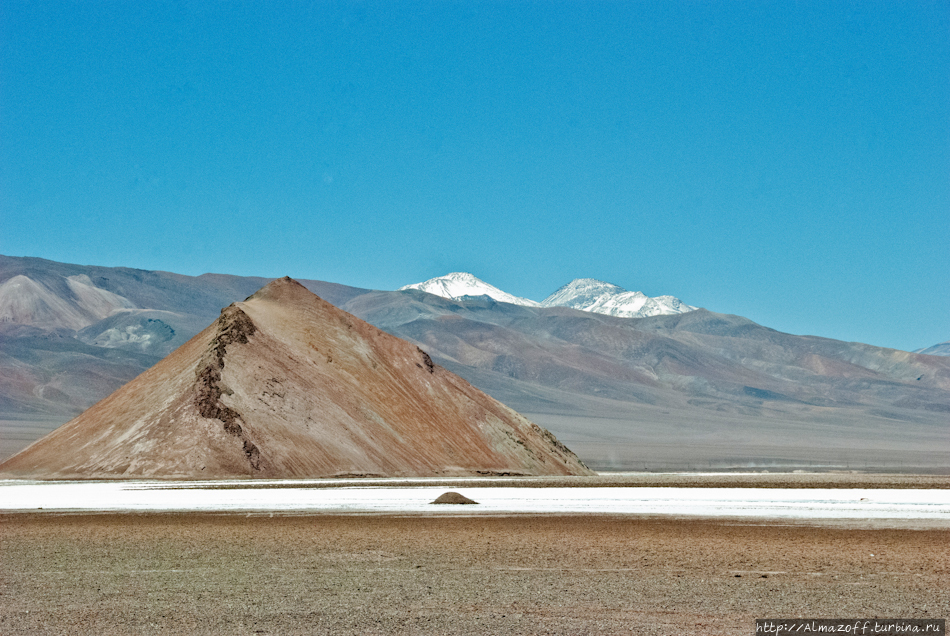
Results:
[586, 294]
[589, 294]
[457, 285]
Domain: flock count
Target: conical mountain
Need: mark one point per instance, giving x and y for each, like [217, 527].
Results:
[285, 384]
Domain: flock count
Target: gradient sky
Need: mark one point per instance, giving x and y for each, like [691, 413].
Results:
[785, 161]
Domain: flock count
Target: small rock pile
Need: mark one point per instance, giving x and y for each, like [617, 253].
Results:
[453, 498]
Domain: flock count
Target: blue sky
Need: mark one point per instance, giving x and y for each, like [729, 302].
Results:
[785, 161]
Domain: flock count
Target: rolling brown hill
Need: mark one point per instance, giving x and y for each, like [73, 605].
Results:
[283, 385]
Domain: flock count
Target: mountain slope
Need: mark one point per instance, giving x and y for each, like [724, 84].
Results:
[697, 388]
[283, 385]
[73, 303]
[698, 353]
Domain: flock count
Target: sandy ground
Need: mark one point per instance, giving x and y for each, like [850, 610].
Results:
[229, 574]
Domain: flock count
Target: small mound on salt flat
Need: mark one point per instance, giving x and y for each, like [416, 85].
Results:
[453, 498]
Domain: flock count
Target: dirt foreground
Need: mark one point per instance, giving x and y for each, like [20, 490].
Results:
[229, 574]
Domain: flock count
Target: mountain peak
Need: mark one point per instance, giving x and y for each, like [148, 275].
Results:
[590, 294]
[458, 285]
[280, 288]
[581, 286]
[463, 276]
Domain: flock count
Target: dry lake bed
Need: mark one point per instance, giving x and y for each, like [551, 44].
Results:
[616, 554]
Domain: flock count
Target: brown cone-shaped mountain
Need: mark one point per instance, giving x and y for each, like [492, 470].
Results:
[285, 384]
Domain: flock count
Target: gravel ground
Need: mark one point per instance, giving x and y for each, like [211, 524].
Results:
[229, 574]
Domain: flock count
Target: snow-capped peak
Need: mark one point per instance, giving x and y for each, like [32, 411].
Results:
[586, 294]
[589, 294]
[460, 284]
[581, 291]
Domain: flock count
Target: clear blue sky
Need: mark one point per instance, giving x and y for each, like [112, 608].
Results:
[785, 161]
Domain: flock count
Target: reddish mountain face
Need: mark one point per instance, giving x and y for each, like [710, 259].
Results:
[285, 384]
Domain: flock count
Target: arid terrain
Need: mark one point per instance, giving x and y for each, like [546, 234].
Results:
[469, 573]
[702, 390]
[789, 401]
[202, 574]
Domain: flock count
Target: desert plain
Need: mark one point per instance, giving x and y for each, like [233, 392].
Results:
[466, 573]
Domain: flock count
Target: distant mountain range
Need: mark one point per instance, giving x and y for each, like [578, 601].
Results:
[586, 294]
[681, 391]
